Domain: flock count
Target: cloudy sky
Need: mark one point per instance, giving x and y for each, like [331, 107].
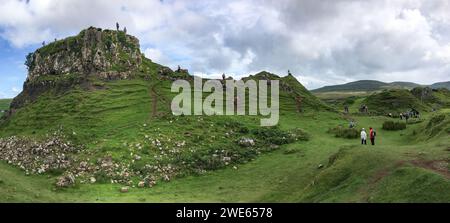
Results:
[322, 42]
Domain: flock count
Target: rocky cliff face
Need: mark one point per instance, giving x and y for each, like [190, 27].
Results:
[104, 54]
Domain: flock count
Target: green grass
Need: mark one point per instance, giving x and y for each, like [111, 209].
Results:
[351, 173]
[112, 119]
[4, 105]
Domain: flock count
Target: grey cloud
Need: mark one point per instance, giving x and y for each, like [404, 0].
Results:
[325, 42]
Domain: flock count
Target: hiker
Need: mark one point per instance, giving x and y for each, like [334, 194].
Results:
[363, 137]
[298, 101]
[401, 116]
[117, 26]
[352, 124]
[372, 136]
[346, 109]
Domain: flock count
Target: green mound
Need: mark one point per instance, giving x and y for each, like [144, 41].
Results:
[393, 126]
[296, 96]
[394, 101]
[438, 124]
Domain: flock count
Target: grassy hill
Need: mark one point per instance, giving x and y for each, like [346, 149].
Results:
[441, 85]
[366, 86]
[394, 101]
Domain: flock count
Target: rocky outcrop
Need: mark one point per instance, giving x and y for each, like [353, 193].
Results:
[106, 53]
[58, 66]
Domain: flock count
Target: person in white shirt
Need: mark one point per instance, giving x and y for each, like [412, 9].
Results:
[363, 137]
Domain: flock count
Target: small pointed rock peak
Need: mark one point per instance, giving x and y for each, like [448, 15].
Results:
[266, 76]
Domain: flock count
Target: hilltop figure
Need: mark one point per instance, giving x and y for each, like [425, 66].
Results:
[363, 137]
[364, 109]
[223, 76]
[43, 43]
[125, 30]
[346, 109]
[289, 73]
[117, 26]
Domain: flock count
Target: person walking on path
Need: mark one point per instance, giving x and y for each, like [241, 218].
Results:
[372, 134]
[363, 137]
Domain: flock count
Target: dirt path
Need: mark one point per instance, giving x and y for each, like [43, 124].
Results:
[440, 167]
[155, 97]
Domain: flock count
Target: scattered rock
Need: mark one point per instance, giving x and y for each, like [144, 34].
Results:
[246, 142]
[66, 180]
[124, 189]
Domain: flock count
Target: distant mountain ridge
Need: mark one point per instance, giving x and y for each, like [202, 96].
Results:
[373, 85]
[441, 85]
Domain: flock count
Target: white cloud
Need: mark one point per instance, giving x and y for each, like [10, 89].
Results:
[16, 90]
[326, 42]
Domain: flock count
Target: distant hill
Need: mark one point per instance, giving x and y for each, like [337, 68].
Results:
[366, 85]
[398, 100]
[441, 85]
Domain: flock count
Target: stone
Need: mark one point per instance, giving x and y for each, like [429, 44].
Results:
[246, 142]
[124, 189]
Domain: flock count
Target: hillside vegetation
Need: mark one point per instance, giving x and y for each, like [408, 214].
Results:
[4, 105]
[83, 136]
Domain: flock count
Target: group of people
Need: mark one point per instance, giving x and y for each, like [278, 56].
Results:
[410, 114]
[372, 135]
[364, 109]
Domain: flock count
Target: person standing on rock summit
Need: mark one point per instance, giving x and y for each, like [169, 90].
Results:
[117, 26]
[363, 137]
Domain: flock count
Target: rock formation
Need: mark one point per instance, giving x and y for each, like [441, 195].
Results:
[103, 54]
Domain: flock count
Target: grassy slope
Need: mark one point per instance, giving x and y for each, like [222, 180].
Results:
[109, 117]
[360, 174]
[4, 105]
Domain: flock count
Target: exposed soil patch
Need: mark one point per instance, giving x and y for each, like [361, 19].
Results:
[384, 172]
[438, 166]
